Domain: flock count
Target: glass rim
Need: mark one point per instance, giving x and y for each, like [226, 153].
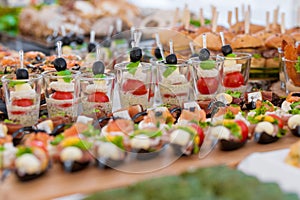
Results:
[109, 76]
[50, 74]
[32, 77]
[183, 63]
[197, 60]
[123, 65]
[244, 56]
[287, 60]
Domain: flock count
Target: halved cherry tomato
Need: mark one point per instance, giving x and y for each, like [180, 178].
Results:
[22, 102]
[244, 129]
[99, 97]
[233, 80]
[18, 112]
[279, 120]
[135, 87]
[200, 132]
[62, 95]
[207, 85]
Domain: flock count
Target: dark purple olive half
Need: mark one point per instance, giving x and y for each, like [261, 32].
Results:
[29, 177]
[176, 112]
[296, 131]
[142, 154]
[107, 163]
[74, 166]
[19, 134]
[227, 145]
[58, 129]
[138, 115]
[264, 138]
[103, 121]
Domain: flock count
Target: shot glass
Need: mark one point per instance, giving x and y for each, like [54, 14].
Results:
[207, 77]
[96, 94]
[175, 82]
[22, 98]
[281, 68]
[62, 93]
[292, 75]
[135, 84]
[236, 71]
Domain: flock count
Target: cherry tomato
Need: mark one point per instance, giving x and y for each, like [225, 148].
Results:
[135, 87]
[99, 97]
[62, 95]
[244, 129]
[279, 120]
[233, 80]
[207, 85]
[200, 132]
[22, 102]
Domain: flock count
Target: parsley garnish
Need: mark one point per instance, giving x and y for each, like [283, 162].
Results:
[57, 139]
[232, 55]
[170, 69]
[256, 55]
[235, 94]
[100, 76]
[23, 150]
[132, 67]
[14, 83]
[66, 75]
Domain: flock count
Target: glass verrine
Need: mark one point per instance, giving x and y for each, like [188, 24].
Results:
[96, 94]
[236, 71]
[135, 84]
[22, 98]
[281, 70]
[62, 93]
[207, 76]
[175, 82]
[292, 75]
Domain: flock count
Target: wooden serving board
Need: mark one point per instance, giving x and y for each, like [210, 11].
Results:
[56, 183]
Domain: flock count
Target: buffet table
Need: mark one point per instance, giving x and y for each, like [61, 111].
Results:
[56, 183]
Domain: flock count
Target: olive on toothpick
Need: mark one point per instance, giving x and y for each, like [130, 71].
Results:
[226, 48]
[204, 52]
[171, 59]
[98, 66]
[22, 73]
[59, 63]
[158, 52]
[136, 53]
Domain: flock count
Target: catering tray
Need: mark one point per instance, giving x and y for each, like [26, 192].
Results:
[270, 167]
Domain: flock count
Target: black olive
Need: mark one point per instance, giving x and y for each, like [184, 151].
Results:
[22, 73]
[79, 39]
[98, 67]
[91, 47]
[136, 54]
[192, 109]
[157, 53]
[296, 94]
[60, 64]
[106, 42]
[226, 49]
[171, 59]
[204, 54]
[38, 58]
[66, 40]
[251, 105]
[158, 114]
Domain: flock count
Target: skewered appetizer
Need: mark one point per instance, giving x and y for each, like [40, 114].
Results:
[232, 133]
[294, 124]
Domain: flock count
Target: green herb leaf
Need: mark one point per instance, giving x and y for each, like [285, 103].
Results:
[232, 55]
[170, 69]
[57, 139]
[207, 64]
[149, 133]
[235, 94]
[2, 148]
[100, 76]
[132, 67]
[23, 150]
[297, 66]
[229, 115]
[295, 104]
[66, 75]
[256, 55]
[195, 23]
[14, 83]
[7, 121]
[91, 131]
[235, 129]
[116, 140]
[83, 144]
